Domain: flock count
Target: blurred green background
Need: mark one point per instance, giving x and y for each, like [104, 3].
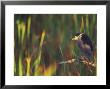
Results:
[42, 41]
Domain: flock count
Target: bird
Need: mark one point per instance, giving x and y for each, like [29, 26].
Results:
[85, 44]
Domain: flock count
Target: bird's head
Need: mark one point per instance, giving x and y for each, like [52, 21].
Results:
[77, 36]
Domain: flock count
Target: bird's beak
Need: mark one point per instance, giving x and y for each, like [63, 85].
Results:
[75, 38]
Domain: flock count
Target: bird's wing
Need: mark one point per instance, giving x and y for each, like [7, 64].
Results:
[87, 41]
[87, 50]
[87, 46]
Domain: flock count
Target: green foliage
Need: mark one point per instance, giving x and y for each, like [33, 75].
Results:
[20, 66]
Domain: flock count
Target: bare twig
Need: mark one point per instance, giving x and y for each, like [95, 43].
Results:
[87, 62]
[69, 61]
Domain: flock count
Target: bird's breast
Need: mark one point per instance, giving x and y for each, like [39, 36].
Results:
[84, 48]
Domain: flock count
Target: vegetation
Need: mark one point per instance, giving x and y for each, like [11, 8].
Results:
[43, 44]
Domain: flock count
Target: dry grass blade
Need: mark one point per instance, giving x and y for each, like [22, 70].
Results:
[38, 59]
[28, 61]
[87, 62]
[68, 62]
